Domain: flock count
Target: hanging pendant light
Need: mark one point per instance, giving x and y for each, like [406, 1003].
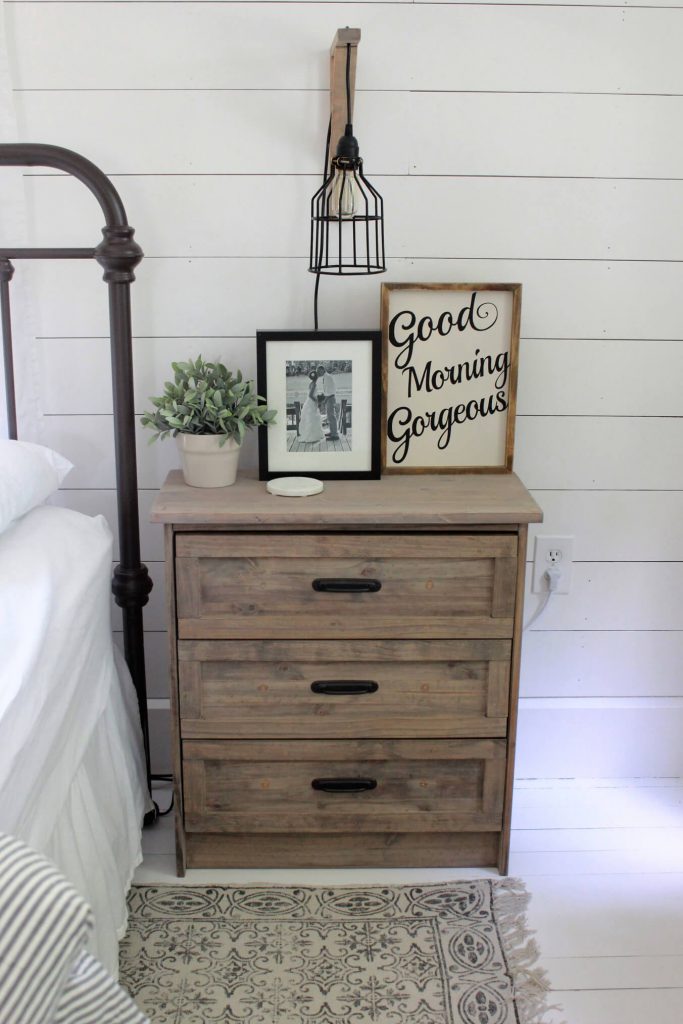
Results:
[347, 212]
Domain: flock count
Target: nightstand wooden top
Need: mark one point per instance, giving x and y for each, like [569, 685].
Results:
[400, 501]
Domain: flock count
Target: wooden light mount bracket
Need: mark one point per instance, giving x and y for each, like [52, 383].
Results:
[343, 38]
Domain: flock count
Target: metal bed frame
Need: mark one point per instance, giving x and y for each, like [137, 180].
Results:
[118, 254]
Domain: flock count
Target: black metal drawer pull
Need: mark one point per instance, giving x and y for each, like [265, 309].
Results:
[347, 586]
[343, 686]
[344, 785]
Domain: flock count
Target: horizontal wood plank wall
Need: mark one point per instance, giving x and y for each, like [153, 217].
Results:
[530, 142]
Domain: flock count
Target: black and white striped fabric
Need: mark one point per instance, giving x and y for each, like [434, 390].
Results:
[46, 975]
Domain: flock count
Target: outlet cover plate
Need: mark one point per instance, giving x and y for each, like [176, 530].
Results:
[556, 553]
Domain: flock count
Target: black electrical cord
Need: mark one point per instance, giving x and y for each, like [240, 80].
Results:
[325, 172]
[162, 814]
[157, 812]
[320, 255]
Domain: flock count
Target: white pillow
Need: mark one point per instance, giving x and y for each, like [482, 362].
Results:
[29, 473]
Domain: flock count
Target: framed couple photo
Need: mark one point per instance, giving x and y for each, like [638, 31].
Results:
[326, 388]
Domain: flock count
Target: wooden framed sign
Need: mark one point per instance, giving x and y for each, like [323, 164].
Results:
[449, 377]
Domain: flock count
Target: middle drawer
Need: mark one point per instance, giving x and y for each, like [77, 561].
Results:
[343, 688]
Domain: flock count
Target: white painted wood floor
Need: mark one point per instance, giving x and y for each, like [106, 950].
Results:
[603, 860]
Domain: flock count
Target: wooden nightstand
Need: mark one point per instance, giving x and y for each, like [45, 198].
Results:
[345, 670]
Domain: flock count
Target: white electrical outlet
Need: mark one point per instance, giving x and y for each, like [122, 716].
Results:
[552, 553]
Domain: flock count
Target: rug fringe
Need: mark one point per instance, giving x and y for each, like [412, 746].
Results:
[531, 984]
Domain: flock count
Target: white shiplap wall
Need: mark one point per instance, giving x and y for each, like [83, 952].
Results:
[529, 142]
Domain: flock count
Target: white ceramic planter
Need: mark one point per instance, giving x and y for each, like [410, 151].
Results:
[205, 463]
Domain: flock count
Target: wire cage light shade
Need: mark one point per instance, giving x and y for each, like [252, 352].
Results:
[347, 223]
[347, 212]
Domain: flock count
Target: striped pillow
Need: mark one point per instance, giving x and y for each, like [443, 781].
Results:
[46, 976]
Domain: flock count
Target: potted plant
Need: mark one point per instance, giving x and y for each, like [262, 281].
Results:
[208, 410]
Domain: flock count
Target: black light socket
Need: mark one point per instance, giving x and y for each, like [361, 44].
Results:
[347, 147]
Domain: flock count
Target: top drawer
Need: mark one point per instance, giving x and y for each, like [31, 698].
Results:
[394, 586]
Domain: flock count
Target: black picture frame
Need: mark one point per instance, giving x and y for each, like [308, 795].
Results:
[373, 391]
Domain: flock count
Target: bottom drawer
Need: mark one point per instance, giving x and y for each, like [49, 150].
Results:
[335, 849]
[343, 786]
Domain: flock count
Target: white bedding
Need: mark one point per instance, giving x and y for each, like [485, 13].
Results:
[72, 778]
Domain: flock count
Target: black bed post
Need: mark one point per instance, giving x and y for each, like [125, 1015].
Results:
[118, 254]
[6, 275]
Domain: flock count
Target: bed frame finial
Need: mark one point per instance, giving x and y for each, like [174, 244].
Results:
[118, 254]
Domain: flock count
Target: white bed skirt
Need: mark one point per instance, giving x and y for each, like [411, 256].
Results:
[96, 841]
[72, 773]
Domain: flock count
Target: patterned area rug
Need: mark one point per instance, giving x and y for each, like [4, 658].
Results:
[455, 953]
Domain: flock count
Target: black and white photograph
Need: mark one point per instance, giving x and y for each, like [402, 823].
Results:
[319, 405]
[325, 387]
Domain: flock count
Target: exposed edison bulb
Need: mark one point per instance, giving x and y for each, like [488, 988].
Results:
[345, 199]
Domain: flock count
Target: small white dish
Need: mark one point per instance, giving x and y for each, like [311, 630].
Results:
[294, 486]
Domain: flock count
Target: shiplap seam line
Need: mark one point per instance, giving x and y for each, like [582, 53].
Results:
[411, 175]
[577, 853]
[590, 629]
[109, 490]
[245, 337]
[529, 337]
[620, 561]
[604, 703]
[231, 337]
[355, 3]
[605, 782]
[588, 828]
[273, 3]
[524, 92]
[520, 416]
[606, 490]
[280, 89]
[435, 92]
[430, 259]
[475, 259]
[195, 257]
[588, 416]
[578, 783]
